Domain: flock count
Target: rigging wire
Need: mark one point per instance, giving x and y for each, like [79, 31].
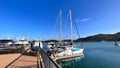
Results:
[76, 29]
[77, 32]
[56, 22]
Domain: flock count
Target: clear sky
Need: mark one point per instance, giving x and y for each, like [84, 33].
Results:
[35, 19]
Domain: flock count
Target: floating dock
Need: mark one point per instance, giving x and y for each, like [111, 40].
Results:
[68, 56]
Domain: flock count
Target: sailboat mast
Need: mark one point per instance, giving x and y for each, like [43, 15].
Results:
[60, 26]
[71, 26]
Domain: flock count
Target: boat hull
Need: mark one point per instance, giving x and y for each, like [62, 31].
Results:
[78, 51]
[70, 52]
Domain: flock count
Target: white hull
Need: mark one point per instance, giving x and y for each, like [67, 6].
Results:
[79, 51]
[70, 52]
[117, 44]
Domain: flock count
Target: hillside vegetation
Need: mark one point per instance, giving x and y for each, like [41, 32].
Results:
[101, 37]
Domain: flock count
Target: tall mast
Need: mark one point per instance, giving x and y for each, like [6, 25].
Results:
[71, 26]
[60, 26]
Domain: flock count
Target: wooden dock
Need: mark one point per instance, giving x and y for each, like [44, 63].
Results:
[25, 61]
[5, 59]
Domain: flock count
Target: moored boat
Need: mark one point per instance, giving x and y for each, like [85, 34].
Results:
[63, 50]
[117, 44]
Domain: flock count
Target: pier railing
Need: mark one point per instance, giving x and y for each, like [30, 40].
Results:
[48, 61]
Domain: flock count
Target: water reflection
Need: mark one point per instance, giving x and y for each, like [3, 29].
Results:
[70, 63]
[97, 55]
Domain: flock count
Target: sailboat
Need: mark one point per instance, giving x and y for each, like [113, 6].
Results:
[68, 50]
[117, 44]
[76, 50]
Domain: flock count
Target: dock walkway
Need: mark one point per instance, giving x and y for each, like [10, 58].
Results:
[38, 59]
[5, 59]
[25, 61]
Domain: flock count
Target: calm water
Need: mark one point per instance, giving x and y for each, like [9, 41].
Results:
[96, 55]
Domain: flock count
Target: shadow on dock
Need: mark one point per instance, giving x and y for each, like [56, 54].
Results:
[25, 60]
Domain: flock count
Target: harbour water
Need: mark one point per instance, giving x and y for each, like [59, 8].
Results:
[96, 55]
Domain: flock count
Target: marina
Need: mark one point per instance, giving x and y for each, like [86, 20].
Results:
[59, 34]
[29, 57]
[94, 51]
[34, 56]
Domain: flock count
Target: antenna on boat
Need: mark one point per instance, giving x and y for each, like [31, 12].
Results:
[60, 26]
[71, 26]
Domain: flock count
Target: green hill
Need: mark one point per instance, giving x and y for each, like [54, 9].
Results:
[101, 37]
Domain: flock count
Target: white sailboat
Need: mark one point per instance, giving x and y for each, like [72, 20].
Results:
[76, 50]
[68, 50]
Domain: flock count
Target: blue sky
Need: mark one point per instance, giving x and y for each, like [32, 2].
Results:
[36, 19]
